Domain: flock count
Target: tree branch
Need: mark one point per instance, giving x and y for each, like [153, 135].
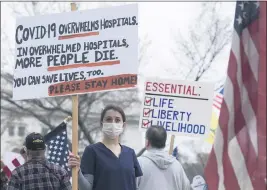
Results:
[215, 36]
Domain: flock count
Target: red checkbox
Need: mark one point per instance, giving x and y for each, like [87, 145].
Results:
[146, 123]
[147, 101]
[146, 112]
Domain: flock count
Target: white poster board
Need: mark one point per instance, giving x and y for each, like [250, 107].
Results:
[76, 52]
[182, 107]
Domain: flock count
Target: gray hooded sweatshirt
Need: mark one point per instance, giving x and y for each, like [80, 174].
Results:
[161, 172]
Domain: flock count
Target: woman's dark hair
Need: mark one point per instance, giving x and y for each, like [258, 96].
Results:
[115, 108]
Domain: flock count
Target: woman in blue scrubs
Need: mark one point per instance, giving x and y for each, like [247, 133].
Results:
[108, 165]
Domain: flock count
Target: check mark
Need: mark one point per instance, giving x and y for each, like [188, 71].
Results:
[147, 101]
[145, 123]
[146, 112]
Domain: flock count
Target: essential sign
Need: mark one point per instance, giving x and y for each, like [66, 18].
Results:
[181, 107]
[76, 52]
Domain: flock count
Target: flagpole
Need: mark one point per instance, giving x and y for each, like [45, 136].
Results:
[75, 139]
[74, 128]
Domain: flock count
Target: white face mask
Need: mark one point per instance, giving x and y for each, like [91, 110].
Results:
[112, 130]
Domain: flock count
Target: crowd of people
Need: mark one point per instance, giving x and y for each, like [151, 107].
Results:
[105, 165]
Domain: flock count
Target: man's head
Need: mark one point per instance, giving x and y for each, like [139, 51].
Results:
[156, 137]
[35, 145]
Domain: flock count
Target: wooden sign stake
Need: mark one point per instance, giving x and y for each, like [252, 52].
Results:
[171, 144]
[74, 128]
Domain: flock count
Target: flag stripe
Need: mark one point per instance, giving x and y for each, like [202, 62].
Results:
[240, 96]
[219, 97]
[214, 182]
[16, 162]
[230, 181]
[249, 156]
[248, 122]
[7, 171]
[216, 106]
[252, 28]
[217, 101]
[249, 101]
[251, 53]
[261, 125]
[239, 165]
[249, 82]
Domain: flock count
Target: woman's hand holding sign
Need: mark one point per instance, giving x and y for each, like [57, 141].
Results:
[74, 161]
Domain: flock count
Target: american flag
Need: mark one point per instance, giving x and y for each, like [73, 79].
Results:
[238, 158]
[57, 146]
[217, 100]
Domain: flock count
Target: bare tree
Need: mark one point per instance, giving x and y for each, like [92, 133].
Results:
[207, 40]
[46, 110]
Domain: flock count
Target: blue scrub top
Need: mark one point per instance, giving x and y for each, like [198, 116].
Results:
[111, 172]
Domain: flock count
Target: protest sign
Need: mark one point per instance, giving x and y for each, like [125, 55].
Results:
[76, 52]
[181, 107]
